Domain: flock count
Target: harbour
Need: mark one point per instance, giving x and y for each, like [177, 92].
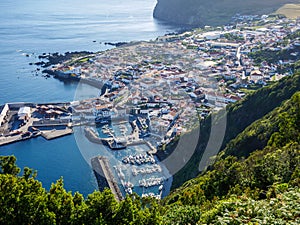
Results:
[136, 169]
[39, 27]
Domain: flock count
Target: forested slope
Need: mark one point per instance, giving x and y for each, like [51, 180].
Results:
[239, 116]
[213, 13]
[235, 187]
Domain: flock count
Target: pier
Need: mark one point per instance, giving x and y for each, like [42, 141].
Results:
[51, 123]
[48, 135]
[18, 137]
[92, 136]
[105, 176]
[52, 134]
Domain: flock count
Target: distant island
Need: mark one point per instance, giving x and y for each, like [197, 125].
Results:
[213, 13]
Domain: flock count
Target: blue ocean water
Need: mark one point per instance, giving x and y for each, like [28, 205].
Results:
[29, 28]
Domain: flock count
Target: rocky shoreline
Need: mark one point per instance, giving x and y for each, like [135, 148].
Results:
[116, 44]
[56, 58]
[50, 59]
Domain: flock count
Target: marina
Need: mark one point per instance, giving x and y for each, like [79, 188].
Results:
[146, 170]
[138, 159]
[135, 169]
[151, 181]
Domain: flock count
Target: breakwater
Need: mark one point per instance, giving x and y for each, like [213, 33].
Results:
[105, 176]
[92, 136]
[61, 75]
[93, 82]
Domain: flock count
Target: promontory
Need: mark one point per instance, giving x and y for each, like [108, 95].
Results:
[215, 13]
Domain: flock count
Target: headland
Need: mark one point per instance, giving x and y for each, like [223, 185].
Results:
[199, 13]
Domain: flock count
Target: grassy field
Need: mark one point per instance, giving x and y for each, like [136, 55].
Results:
[290, 10]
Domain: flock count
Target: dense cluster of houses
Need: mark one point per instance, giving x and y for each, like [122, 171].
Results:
[226, 52]
[167, 79]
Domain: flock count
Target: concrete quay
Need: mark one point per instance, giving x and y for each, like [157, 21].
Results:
[51, 123]
[22, 135]
[52, 134]
[48, 135]
[105, 176]
[21, 121]
[12, 139]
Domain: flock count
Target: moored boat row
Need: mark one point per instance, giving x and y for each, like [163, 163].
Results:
[151, 194]
[147, 170]
[152, 181]
[138, 159]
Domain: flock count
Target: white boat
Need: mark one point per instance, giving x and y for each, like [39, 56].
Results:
[129, 190]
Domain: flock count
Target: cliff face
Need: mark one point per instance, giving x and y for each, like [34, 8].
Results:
[213, 12]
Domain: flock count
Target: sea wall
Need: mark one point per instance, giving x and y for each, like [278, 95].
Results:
[105, 176]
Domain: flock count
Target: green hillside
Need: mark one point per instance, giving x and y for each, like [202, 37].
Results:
[239, 116]
[217, 12]
[241, 190]
[275, 129]
[278, 161]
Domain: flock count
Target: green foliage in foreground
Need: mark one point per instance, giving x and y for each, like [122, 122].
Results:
[24, 201]
[244, 186]
[283, 208]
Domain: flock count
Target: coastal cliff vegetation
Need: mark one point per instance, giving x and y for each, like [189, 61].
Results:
[214, 13]
[240, 115]
[254, 180]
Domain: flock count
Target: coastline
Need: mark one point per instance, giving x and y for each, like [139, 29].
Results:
[30, 32]
[150, 71]
[60, 75]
